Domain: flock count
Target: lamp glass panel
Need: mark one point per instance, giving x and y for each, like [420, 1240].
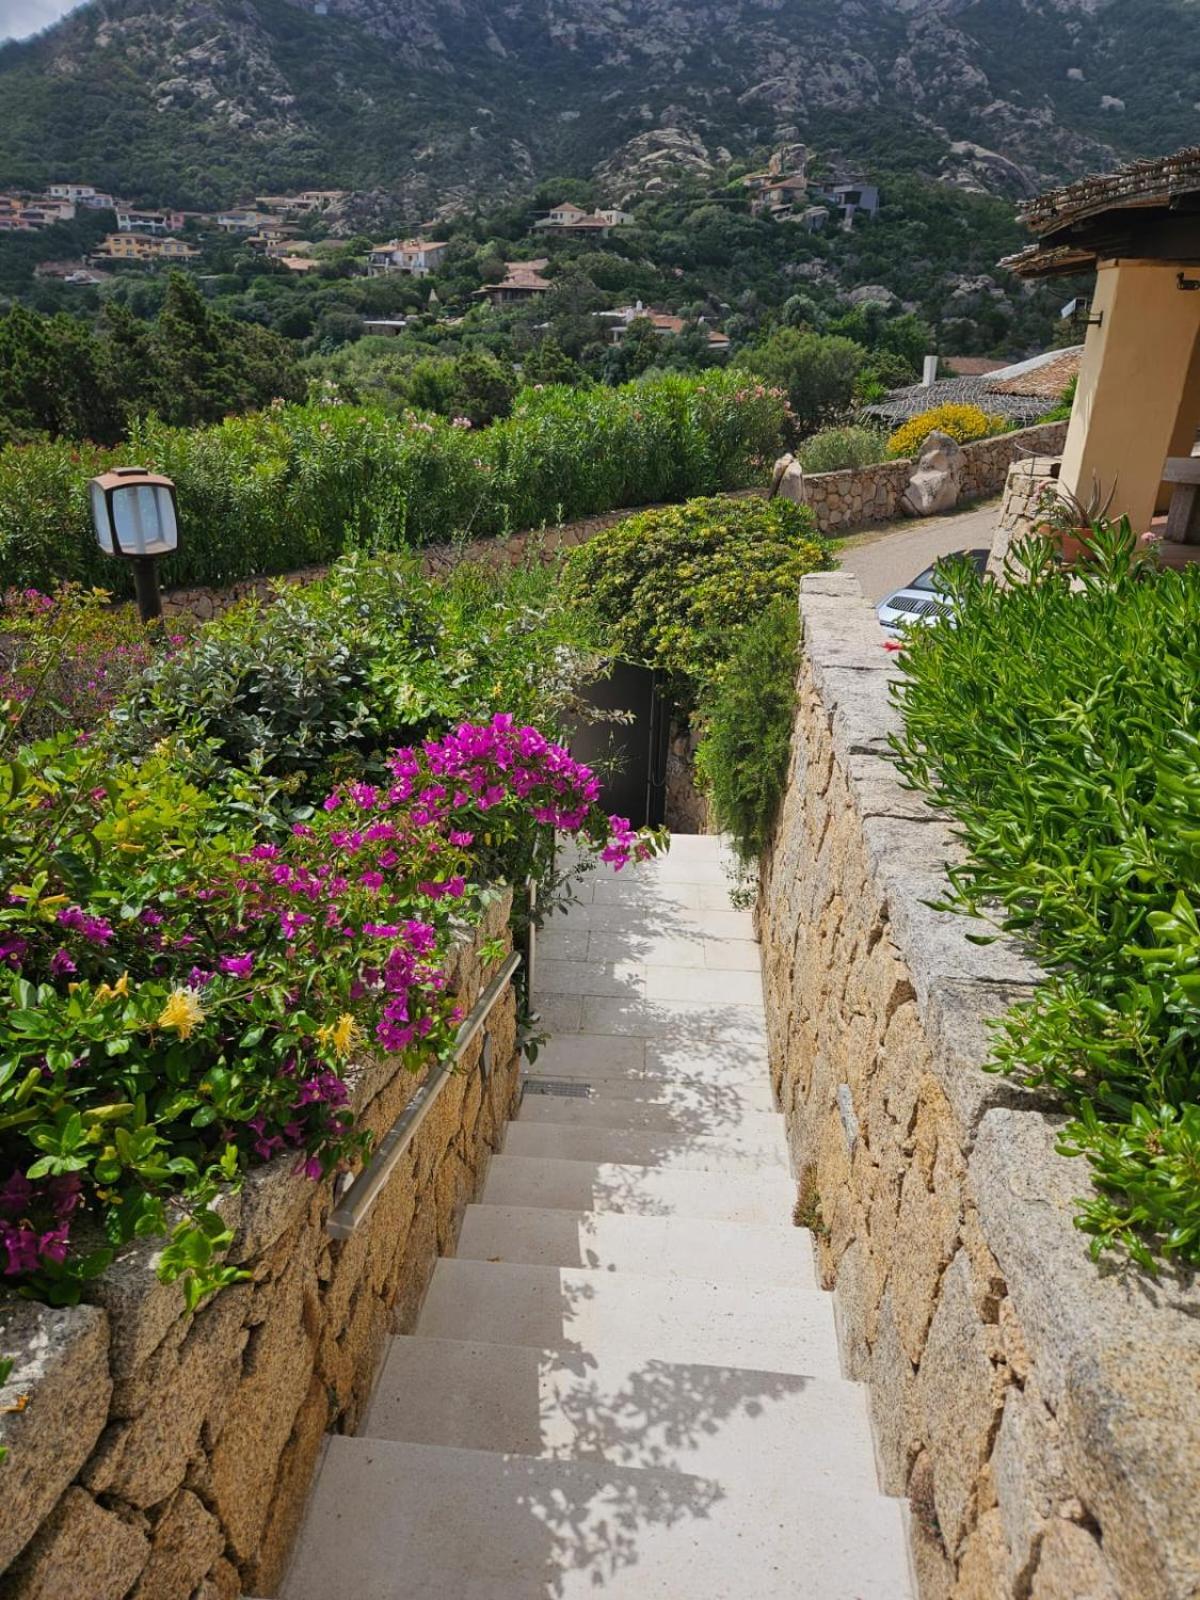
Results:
[144, 514]
[100, 519]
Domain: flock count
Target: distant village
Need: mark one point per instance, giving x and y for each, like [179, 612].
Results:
[275, 227]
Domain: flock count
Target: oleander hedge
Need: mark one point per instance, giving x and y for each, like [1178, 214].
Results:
[295, 485]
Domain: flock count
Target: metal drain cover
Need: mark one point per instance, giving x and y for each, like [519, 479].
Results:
[568, 1088]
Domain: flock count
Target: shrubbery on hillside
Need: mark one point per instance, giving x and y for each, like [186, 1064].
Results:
[294, 485]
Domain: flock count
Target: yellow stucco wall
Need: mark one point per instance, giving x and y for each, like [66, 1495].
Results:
[1138, 397]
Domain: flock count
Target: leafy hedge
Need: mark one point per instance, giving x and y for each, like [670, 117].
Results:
[296, 485]
[1076, 789]
[672, 587]
[706, 592]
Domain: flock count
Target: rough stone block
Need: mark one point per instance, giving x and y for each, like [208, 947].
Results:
[80, 1550]
[62, 1370]
[961, 1393]
[187, 1542]
[957, 1016]
[183, 1384]
[1030, 1483]
[1071, 1566]
[1131, 1435]
[893, 1401]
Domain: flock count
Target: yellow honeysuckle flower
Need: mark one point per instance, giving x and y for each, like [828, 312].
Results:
[182, 1012]
[111, 991]
[340, 1035]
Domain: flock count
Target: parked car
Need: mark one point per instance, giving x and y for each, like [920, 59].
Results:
[922, 600]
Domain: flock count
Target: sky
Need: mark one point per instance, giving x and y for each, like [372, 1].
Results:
[21, 17]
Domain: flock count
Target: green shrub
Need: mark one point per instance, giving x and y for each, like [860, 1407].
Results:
[671, 587]
[835, 449]
[1076, 788]
[747, 728]
[294, 485]
[328, 676]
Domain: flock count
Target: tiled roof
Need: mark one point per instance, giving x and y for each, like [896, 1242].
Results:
[1141, 183]
[911, 401]
[973, 366]
[1045, 379]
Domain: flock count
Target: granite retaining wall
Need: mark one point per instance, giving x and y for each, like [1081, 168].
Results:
[862, 496]
[1039, 1411]
[167, 1456]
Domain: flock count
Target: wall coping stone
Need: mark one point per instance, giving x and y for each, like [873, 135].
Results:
[1116, 1353]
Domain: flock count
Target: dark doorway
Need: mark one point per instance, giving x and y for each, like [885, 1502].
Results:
[628, 756]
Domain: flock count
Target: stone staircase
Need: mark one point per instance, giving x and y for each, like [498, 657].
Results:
[627, 1381]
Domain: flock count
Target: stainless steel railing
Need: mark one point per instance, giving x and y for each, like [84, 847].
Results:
[358, 1199]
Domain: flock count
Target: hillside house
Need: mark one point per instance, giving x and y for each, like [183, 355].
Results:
[416, 257]
[20, 214]
[1134, 424]
[850, 201]
[243, 221]
[667, 326]
[305, 203]
[573, 222]
[82, 194]
[777, 196]
[522, 281]
[144, 247]
[159, 222]
[76, 274]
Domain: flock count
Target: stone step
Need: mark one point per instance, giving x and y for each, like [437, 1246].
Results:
[659, 1247]
[732, 1424]
[720, 1101]
[696, 1023]
[650, 1147]
[714, 1064]
[662, 1115]
[754, 1198]
[394, 1521]
[671, 1319]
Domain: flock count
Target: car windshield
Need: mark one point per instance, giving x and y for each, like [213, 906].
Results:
[929, 578]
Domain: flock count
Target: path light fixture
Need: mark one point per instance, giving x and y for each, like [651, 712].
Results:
[136, 517]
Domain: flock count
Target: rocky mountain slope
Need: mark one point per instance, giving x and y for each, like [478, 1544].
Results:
[200, 101]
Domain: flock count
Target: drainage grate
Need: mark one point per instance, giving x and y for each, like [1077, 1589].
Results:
[568, 1088]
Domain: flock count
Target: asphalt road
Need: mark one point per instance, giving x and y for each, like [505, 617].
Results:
[888, 557]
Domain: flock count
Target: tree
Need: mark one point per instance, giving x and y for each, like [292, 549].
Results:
[548, 363]
[53, 379]
[817, 370]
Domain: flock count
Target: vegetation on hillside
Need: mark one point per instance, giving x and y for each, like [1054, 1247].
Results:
[293, 485]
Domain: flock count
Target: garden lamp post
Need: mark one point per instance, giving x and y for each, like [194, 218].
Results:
[136, 517]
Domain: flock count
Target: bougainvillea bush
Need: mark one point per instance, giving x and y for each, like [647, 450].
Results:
[66, 658]
[184, 977]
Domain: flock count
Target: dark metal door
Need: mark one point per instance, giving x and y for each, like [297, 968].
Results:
[629, 755]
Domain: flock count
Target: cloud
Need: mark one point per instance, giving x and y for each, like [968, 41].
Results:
[19, 18]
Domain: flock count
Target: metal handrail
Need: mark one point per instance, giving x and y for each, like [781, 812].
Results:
[358, 1199]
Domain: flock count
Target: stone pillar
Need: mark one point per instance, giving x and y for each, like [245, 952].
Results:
[1135, 380]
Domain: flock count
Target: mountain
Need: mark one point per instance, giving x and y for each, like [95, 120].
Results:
[436, 103]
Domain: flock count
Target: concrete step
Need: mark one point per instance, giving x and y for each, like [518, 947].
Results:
[570, 1308]
[393, 1521]
[661, 1116]
[732, 1063]
[658, 1247]
[721, 1101]
[650, 1147]
[732, 1424]
[754, 1198]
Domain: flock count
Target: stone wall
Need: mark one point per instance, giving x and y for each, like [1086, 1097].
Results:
[167, 1456]
[1039, 1410]
[862, 496]
[1026, 483]
[206, 603]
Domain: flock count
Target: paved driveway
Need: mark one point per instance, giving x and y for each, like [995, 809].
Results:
[888, 557]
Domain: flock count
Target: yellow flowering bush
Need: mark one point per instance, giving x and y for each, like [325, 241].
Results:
[964, 423]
